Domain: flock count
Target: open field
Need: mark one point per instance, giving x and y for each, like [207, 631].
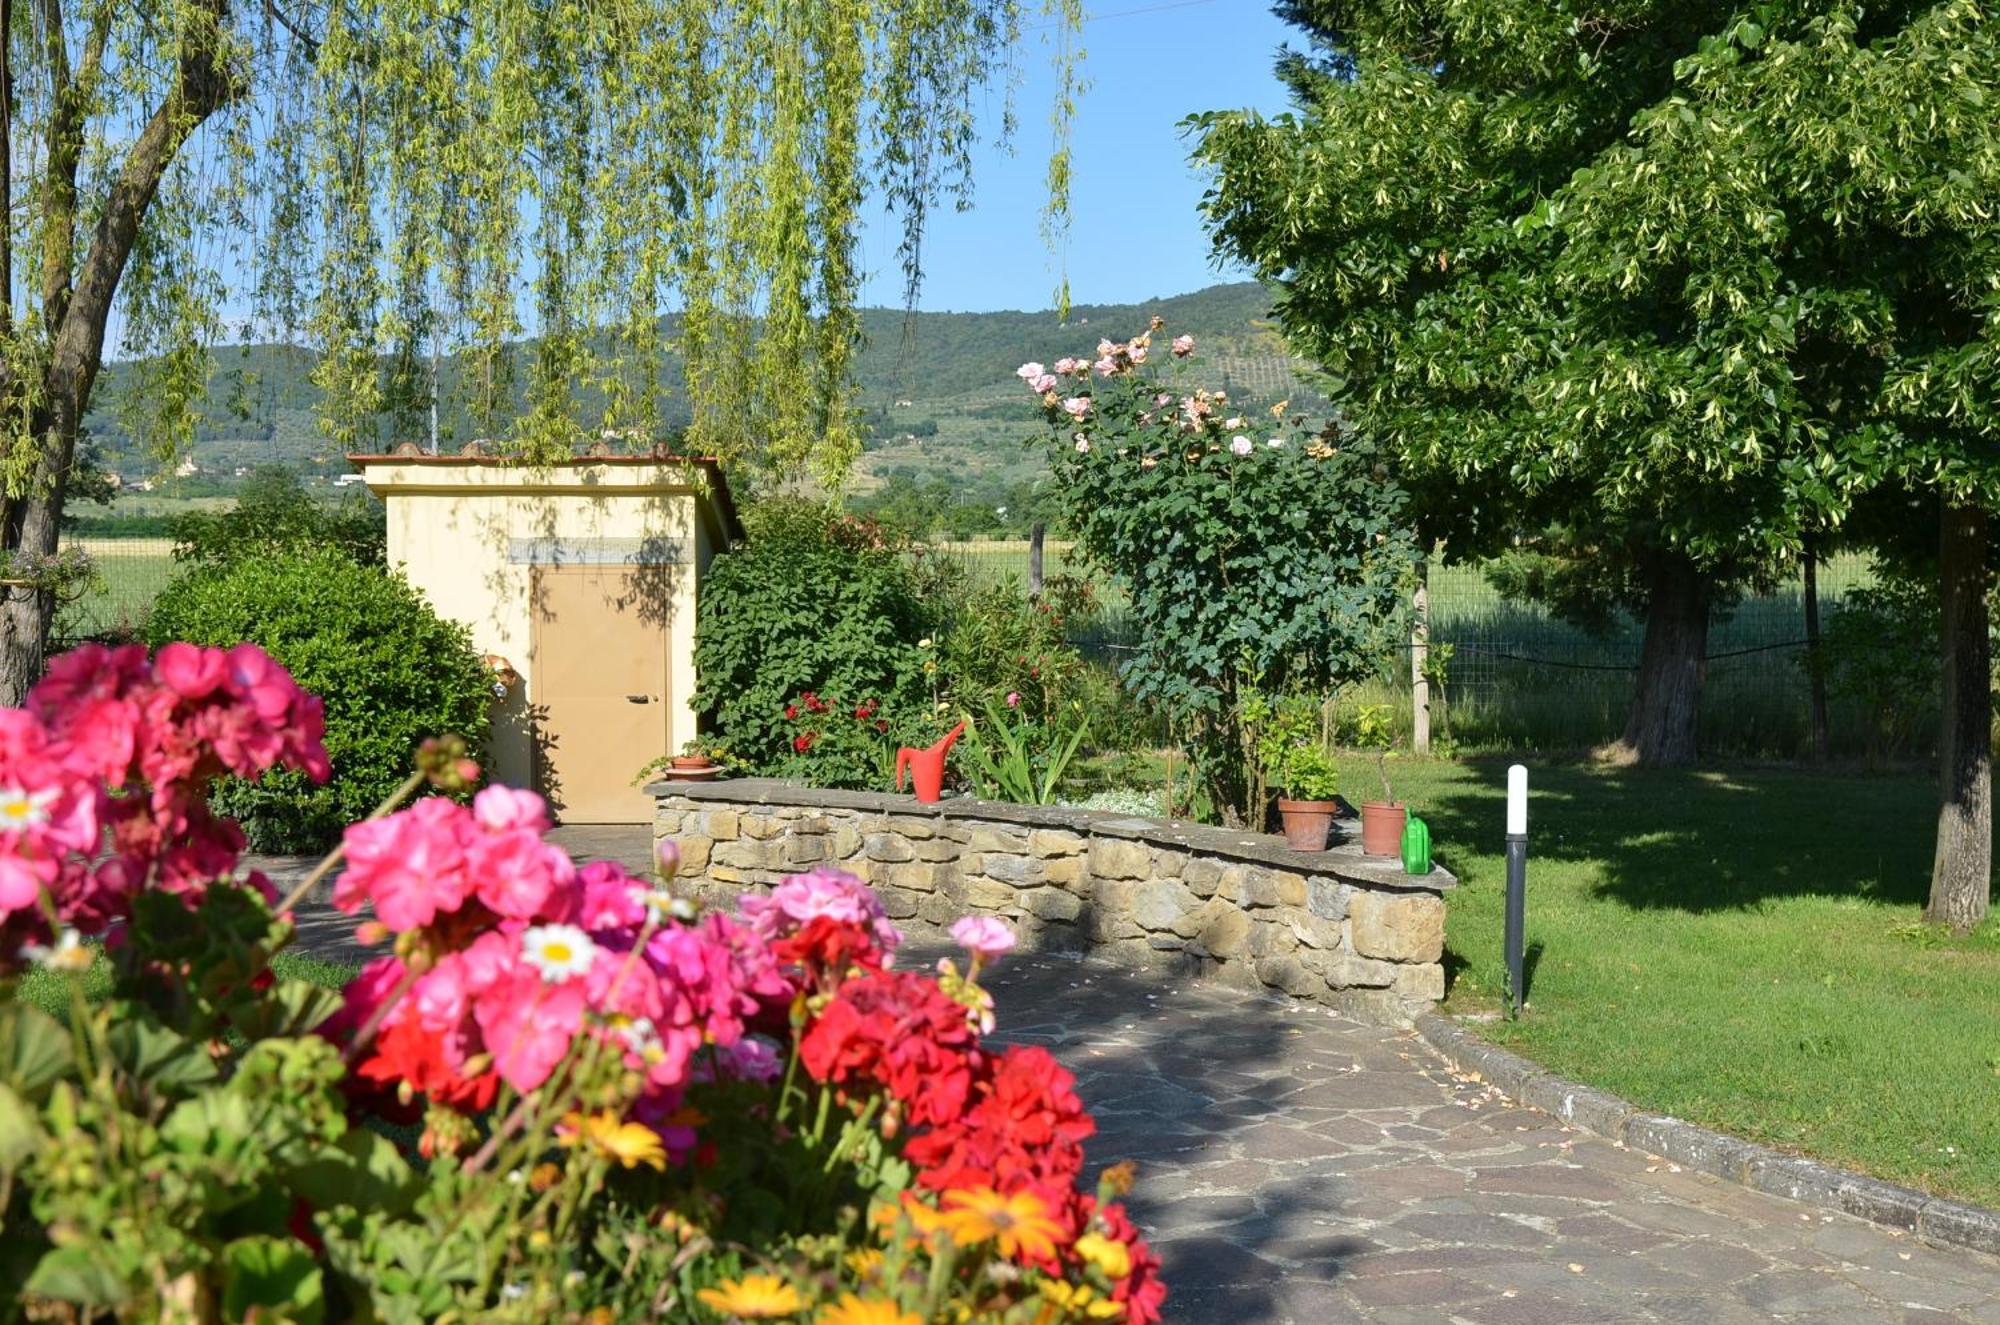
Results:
[1740, 948]
[133, 571]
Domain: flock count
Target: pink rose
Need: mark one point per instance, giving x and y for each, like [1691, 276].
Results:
[1241, 445]
[1044, 384]
[1183, 346]
[1077, 406]
[1028, 372]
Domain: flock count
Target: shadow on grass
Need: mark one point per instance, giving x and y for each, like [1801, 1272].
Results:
[1703, 840]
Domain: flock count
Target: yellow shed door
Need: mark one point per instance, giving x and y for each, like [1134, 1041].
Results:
[599, 689]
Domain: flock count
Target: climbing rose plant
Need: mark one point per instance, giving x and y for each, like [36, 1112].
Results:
[563, 1093]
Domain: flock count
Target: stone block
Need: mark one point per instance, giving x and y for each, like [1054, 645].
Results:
[1421, 982]
[1313, 932]
[1160, 904]
[1291, 887]
[936, 848]
[1259, 887]
[916, 827]
[991, 895]
[762, 826]
[900, 906]
[1169, 864]
[805, 849]
[743, 855]
[1011, 869]
[1289, 974]
[1402, 927]
[1115, 858]
[1230, 886]
[722, 825]
[694, 854]
[1047, 842]
[1202, 875]
[1054, 904]
[728, 874]
[911, 876]
[812, 825]
[887, 848]
[1268, 939]
[1350, 972]
[1226, 933]
[1064, 871]
[666, 822]
[1328, 898]
[983, 838]
[938, 909]
[846, 842]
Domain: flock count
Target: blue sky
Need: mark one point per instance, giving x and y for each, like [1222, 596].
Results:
[1136, 232]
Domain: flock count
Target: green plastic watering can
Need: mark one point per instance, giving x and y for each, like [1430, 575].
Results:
[1416, 846]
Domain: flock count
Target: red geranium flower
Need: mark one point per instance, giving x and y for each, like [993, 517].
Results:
[791, 710]
[804, 741]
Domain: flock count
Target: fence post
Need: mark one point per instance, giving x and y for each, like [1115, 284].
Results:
[1035, 533]
[1420, 643]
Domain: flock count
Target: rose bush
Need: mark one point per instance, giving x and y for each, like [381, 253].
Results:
[613, 1104]
[1258, 552]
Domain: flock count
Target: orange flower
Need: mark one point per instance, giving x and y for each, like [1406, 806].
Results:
[851, 1310]
[759, 1296]
[1020, 1223]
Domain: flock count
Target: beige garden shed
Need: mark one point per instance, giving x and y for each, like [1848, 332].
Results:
[578, 580]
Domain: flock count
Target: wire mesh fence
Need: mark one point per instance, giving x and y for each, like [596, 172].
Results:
[1508, 674]
[131, 573]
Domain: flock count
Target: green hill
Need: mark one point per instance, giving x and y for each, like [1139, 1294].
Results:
[938, 392]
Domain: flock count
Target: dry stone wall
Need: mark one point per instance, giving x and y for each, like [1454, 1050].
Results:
[1337, 927]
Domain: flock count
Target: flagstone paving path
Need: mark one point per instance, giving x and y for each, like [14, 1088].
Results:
[1301, 1168]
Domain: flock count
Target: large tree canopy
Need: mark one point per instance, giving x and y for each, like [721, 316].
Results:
[1686, 275]
[550, 191]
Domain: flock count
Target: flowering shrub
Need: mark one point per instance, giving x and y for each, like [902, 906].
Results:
[816, 602]
[1258, 552]
[846, 743]
[620, 1106]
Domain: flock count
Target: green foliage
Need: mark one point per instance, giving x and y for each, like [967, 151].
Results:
[1291, 746]
[1879, 650]
[1001, 642]
[391, 671]
[1010, 755]
[1257, 554]
[1684, 276]
[811, 601]
[275, 515]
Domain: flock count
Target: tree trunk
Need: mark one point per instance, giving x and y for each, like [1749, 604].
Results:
[1961, 873]
[25, 613]
[1667, 702]
[1815, 672]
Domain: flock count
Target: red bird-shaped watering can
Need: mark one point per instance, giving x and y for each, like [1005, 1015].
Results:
[927, 767]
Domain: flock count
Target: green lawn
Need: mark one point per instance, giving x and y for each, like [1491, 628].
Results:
[1740, 948]
[50, 992]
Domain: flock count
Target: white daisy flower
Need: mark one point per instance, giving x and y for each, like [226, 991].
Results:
[23, 809]
[559, 952]
[68, 953]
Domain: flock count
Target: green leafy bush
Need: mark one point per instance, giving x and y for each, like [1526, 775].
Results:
[274, 514]
[392, 672]
[1880, 653]
[1001, 642]
[812, 601]
[1258, 552]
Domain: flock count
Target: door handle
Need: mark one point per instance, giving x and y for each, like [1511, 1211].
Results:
[638, 699]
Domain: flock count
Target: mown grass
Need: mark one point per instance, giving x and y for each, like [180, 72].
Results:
[50, 991]
[1739, 947]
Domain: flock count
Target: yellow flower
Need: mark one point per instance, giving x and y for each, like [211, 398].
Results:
[866, 1263]
[754, 1295]
[851, 1310]
[1079, 1300]
[1106, 1254]
[1019, 1223]
[630, 1144]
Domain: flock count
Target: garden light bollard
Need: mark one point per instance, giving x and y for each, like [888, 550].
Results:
[1517, 881]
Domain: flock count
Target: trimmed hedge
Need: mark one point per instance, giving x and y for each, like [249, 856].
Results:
[392, 672]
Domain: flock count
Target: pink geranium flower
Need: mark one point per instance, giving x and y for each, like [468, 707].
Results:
[410, 865]
[985, 937]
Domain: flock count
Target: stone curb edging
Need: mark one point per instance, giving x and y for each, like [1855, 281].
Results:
[1931, 1218]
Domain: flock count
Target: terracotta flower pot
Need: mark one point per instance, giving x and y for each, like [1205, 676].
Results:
[1382, 827]
[1306, 823]
[692, 761]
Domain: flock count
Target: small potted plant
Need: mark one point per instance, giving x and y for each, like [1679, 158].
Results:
[1382, 821]
[1306, 782]
[695, 754]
